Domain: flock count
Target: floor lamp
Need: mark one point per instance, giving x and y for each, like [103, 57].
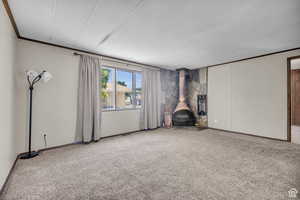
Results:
[33, 77]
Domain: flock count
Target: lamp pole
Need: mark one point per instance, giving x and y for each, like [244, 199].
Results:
[31, 154]
[30, 116]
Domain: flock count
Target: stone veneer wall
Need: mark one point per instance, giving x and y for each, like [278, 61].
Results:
[169, 90]
[197, 84]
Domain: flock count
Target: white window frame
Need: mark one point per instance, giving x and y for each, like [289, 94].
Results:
[135, 107]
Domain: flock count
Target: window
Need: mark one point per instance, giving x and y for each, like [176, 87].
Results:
[124, 93]
[138, 89]
[108, 88]
[121, 89]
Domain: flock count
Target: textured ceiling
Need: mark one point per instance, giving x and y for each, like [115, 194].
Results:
[165, 33]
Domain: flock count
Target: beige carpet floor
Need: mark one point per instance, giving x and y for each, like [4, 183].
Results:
[165, 164]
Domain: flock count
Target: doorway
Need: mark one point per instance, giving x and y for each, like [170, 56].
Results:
[294, 99]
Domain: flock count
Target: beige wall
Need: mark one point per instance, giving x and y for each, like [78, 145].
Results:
[55, 102]
[117, 122]
[7, 123]
[250, 96]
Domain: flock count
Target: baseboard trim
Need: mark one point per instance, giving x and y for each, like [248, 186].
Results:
[50, 148]
[105, 137]
[8, 176]
[121, 134]
[74, 143]
[59, 146]
[128, 133]
[241, 133]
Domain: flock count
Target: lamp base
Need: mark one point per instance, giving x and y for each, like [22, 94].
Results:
[29, 155]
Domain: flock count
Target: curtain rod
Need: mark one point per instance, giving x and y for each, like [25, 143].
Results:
[121, 62]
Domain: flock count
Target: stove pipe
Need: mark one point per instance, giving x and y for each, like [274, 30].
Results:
[182, 101]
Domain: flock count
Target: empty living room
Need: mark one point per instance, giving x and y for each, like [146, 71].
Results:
[149, 100]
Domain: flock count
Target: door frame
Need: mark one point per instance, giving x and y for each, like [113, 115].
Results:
[289, 98]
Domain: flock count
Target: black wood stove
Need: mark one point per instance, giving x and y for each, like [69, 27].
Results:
[183, 116]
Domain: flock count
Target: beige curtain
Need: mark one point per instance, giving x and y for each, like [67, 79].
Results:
[88, 127]
[151, 91]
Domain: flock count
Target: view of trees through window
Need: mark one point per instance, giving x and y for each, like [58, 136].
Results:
[121, 89]
[108, 88]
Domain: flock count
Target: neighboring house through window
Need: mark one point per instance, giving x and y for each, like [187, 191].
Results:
[121, 88]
